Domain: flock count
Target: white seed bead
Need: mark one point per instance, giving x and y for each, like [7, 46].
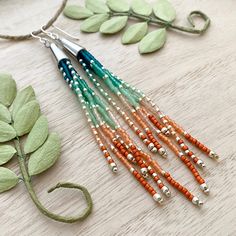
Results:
[180, 154]
[157, 197]
[144, 170]
[151, 146]
[204, 188]
[166, 191]
[130, 157]
[196, 201]
[201, 163]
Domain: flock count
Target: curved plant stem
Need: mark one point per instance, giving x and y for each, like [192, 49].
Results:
[28, 184]
[167, 24]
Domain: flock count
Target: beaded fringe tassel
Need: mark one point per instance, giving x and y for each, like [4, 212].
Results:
[144, 118]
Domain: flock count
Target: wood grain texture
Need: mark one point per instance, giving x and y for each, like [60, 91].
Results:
[192, 79]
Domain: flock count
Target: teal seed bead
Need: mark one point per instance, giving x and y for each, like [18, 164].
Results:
[85, 85]
[98, 70]
[115, 82]
[113, 79]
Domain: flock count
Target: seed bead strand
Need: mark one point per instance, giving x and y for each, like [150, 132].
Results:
[157, 197]
[195, 173]
[178, 140]
[153, 169]
[195, 200]
[137, 155]
[181, 143]
[155, 122]
[118, 152]
[105, 151]
[183, 146]
[117, 143]
[144, 99]
[102, 74]
[144, 126]
[144, 167]
[126, 118]
[73, 84]
[192, 140]
[167, 121]
[135, 152]
[187, 163]
[185, 160]
[183, 190]
[102, 147]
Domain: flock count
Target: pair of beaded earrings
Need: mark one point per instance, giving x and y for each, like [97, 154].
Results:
[141, 114]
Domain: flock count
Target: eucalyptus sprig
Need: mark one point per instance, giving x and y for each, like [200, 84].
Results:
[26, 130]
[112, 16]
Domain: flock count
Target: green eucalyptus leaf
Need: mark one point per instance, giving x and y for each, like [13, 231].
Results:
[7, 89]
[7, 132]
[24, 96]
[93, 23]
[5, 114]
[118, 5]
[141, 7]
[6, 153]
[8, 179]
[114, 25]
[77, 12]
[97, 6]
[45, 156]
[26, 117]
[164, 10]
[153, 41]
[37, 135]
[135, 33]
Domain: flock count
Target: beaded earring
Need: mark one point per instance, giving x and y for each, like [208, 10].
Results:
[141, 114]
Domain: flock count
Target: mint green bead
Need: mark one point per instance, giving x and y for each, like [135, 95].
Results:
[111, 86]
[129, 96]
[88, 97]
[135, 94]
[99, 102]
[92, 117]
[106, 117]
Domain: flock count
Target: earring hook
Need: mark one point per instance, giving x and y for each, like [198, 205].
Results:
[50, 34]
[42, 40]
[65, 33]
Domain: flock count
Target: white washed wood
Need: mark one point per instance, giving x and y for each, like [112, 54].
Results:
[192, 79]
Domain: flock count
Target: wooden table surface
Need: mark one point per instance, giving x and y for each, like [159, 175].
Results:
[193, 79]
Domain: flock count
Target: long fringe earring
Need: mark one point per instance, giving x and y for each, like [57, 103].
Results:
[143, 117]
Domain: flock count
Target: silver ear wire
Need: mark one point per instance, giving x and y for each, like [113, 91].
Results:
[42, 40]
[65, 33]
[57, 52]
[70, 46]
[50, 34]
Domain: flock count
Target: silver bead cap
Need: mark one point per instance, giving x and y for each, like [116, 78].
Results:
[58, 53]
[71, 47]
